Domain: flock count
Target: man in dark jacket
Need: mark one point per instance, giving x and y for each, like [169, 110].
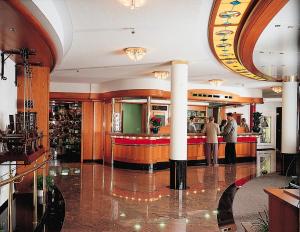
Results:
[230, 137]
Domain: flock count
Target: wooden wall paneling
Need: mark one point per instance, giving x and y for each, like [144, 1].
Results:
[221, 150]
[87, 131]
[142, 93]
[69, 96]
[107, 115]
[28, 33]
[223, 113]
[40, 97]
[98, 138]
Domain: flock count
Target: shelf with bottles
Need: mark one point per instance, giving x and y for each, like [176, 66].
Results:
[196, 113]
[65, 127]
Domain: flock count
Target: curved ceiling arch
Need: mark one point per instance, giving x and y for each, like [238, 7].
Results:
[276, 52]
[259, 19]
[235, 27]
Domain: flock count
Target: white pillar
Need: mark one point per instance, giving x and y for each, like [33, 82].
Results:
[289, 128]
[289, 131]
[178, 146]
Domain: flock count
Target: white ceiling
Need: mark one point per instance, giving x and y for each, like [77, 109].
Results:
[169, 29]
[276, 52]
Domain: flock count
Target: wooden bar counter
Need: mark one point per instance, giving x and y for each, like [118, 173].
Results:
[144, 151]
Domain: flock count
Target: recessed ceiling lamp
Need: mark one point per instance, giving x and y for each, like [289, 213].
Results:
[216, 82]
[277, 89]
[135, 53]
[162, 75]
[133, 3]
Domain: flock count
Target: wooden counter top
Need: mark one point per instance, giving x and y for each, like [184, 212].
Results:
[290, 196]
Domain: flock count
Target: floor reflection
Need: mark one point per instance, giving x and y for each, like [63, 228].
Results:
[100, 198]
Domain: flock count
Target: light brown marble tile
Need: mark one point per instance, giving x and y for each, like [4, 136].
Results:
[101, 198]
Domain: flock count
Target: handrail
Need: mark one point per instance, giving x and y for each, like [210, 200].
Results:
[38, 166]
[12, 179]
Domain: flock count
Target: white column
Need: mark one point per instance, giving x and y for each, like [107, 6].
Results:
[289, 131]
[179, 81]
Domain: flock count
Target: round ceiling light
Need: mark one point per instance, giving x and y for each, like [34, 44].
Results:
[162, 75]
[135, 53]
[277, 89]
[216, 82]
[133, 3]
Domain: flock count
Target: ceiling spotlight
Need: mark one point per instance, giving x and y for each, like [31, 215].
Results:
[133, 3]
[216, 82]
[135, 53]
[277, 89]
[161, 75]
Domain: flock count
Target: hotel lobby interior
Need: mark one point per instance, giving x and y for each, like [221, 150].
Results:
[108, 111]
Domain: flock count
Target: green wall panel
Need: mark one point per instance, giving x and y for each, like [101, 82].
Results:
[132, 118]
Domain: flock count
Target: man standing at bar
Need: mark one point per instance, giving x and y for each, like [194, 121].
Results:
[211, 130]
[230, 137]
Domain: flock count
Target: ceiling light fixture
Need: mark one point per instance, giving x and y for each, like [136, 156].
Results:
[216, 82]
[133, 3]
[135, 53]
[161, 75]
[277, 89]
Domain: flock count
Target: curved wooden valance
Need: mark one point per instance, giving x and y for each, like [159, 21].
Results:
[234, 27]
[203, 95]
[20, 29]
[259, 19]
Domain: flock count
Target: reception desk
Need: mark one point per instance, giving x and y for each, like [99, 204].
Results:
[143, 151]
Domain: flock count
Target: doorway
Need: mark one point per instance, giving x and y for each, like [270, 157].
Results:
[278, 127]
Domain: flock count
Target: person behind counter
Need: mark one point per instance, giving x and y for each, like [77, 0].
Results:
[222, 125]
[230, 137]
[244, 125]
[211, 130]
[191, 125]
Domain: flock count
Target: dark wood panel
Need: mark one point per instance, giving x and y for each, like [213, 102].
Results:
[87, 131]
[98, 139]
[40, 97]
[69, 96]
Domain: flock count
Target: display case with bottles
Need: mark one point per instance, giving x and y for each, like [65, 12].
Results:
[65, 130]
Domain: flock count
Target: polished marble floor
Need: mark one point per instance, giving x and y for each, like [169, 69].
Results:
[101, 198]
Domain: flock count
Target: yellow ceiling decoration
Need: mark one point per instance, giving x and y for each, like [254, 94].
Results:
[225, 26]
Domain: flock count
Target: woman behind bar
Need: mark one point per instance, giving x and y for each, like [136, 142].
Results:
[211, 131]
[245, 125]
[191, 126]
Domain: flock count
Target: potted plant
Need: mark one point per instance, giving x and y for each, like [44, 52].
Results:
[156, 123]
[49, 184]
[256, 120]
[262, 222]
[2, 227]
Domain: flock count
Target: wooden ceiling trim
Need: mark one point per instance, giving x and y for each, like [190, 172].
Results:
[20, 29]
[254, 16]
[143, 93]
